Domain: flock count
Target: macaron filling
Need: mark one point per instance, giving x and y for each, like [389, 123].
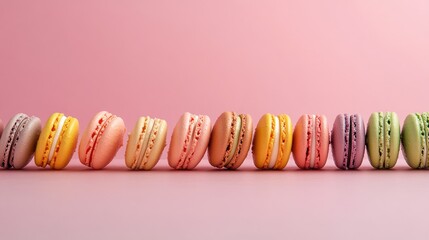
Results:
[387, 129]
[282, 140]
[240, 141]
[313, 129]
[314, 132]
[11, 143]
[142, 142]
[21, 127]
[152, 137]
[148, 142]
[188, 140]
[275, 149]
[353, 141]
[191, 140]
[381, 147]
[346, 159]
[234, 139]
[103, 122]
[56, 137]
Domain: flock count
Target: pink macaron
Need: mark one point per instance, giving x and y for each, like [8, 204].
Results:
[101, 140]
[189, 141]
[310, 145]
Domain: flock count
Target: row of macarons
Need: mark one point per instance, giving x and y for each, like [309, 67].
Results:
[228, 141]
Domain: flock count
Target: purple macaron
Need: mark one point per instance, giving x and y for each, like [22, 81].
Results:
[348, 141]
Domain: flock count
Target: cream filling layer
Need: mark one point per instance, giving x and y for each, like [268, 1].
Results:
[313, 141]
[56, 137]
[236, 138]
[145, 142]
[193, 129]
[275, 150]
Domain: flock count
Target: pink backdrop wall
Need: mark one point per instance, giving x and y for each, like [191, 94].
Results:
[161, 58]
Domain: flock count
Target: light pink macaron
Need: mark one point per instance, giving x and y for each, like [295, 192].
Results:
[189, 141]
[101, 140]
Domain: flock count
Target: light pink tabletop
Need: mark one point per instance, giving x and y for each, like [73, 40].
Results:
[114, 203]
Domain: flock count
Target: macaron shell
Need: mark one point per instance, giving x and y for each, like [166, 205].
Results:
[8, 130]
[299, 145]
[26, 145]
[324, 143]
[338, 141]
[411, 140]
[177, 140]
[158, 146]
[202, 144]
[286, 134]
[395, 140]
[360, 142]
[261, 140]
[108, 143]
[246, 143]
[67, 147]
[42, 143]
[219, 139]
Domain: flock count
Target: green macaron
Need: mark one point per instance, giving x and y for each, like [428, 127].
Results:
[415, 133]
[383, 139]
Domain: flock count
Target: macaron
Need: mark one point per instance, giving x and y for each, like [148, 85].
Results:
[383, 139]
[189, 141]
[146, 143]
[57, 142]
[272, 142]
[101, 140]
[18, 141]
[230, 140]
[348, 141]
[311, 142]
[415, 140]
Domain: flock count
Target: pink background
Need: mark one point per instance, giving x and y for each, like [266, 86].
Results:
[162, 58]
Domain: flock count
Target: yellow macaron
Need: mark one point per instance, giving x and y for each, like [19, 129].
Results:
[272, 142]
[57, 141]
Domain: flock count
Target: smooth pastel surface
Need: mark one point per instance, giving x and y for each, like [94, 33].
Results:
[415, 136]
[110, 130]
[311, 142]
[383, 139]
[232, 136]
[348, 141]
[189, 141]
[65, 145]
[18, 141]
[129, 200]
[272, 142]
[146, 143]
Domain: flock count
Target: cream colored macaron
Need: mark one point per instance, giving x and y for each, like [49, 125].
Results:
[146, 143]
